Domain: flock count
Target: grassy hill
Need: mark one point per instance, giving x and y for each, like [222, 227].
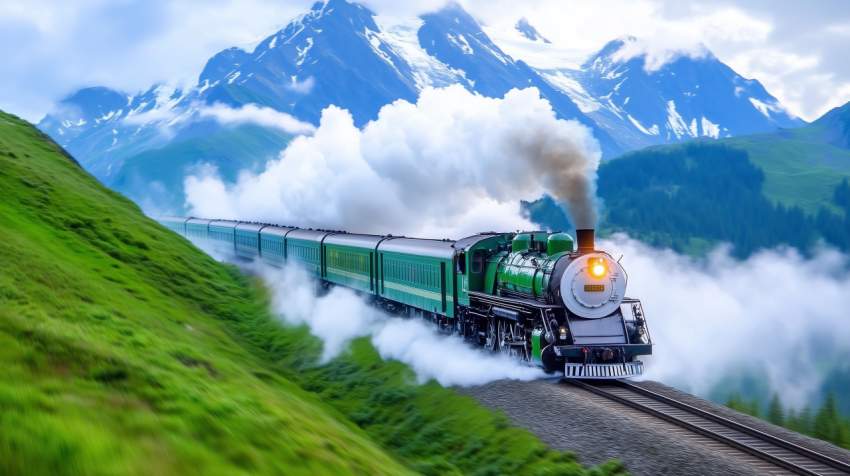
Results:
[803, 166]
[126, 350]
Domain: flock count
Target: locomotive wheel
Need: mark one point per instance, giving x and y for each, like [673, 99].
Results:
[492, 335]
[506, 337]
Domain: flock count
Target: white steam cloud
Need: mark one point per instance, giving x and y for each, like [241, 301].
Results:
[708, 317]
[253, 114]
[341, 316]
[454, 163]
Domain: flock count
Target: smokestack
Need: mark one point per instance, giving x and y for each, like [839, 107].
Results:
[585, 240]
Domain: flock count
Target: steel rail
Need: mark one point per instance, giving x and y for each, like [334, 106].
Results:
[752, 432]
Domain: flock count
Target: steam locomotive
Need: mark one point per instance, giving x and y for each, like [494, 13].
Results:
[534, 296]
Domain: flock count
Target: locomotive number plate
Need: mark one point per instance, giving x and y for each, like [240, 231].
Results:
[594, 288]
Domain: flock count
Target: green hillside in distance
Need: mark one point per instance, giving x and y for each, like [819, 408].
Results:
[154, 178]
[802, 166]
[756, 191]
[126, 350]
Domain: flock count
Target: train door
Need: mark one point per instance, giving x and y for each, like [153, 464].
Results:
[462, 280]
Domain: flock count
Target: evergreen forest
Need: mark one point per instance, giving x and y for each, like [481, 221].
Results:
[825, 423]
[692, 197]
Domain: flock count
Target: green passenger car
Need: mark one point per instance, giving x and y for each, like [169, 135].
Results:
[248, 240]
[221, 235]
[197, 230]
[473, 268]
[304, 247]
[417, 273]
[350, 260]
[273, 245]
[175, 224]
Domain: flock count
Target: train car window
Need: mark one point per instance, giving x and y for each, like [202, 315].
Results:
[461, 263]
[477, 261]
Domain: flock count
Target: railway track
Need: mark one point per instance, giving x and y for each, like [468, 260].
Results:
[789, 456]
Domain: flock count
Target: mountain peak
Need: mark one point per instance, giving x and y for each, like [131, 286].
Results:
[835, 125]
[528, 31]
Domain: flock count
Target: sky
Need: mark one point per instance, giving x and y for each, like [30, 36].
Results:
[50, 49]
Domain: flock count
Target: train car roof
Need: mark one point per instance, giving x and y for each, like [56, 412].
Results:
[180, 219]
[420, 247]
[354, 239]
[250, 226]
[464, 243]
[224, 223]
[276, 230]
[309, 235]
[199, 221]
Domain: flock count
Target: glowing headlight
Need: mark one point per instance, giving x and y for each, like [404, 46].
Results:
[597, 267]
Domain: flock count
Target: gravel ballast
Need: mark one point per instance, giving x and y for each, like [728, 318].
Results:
[568, 418]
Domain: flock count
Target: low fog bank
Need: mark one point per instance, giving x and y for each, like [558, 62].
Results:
[340, 316]
[776, 313]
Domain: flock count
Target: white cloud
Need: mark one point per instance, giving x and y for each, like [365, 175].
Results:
[462, 161]
[713, 316]
[251, 113]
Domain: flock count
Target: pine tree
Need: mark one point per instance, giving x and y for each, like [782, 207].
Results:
[775, 414]
[802, 422]
[829, 426]
[753, 408]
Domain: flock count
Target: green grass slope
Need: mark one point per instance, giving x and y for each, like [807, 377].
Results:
[126, 350]
[154, 178]
[801, 167]
[114, 356]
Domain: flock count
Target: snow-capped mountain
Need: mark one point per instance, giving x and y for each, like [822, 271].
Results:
[687, 98]
[343, 54]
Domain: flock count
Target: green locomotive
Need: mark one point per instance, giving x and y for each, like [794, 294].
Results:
[535, 296]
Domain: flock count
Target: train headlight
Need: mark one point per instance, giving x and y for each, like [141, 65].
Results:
[598, 268]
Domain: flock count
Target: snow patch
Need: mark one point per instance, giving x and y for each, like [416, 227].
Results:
[538, 55]
[375, 41]
[613, 74]
[677, 124]
[617, 87]
[652, 131]
[762, 107]
[273, 42]
[461, 43]
[710, 129]
[302, 54]
[233, 77]
[562, 81]
[204, 87]
[401, 36]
